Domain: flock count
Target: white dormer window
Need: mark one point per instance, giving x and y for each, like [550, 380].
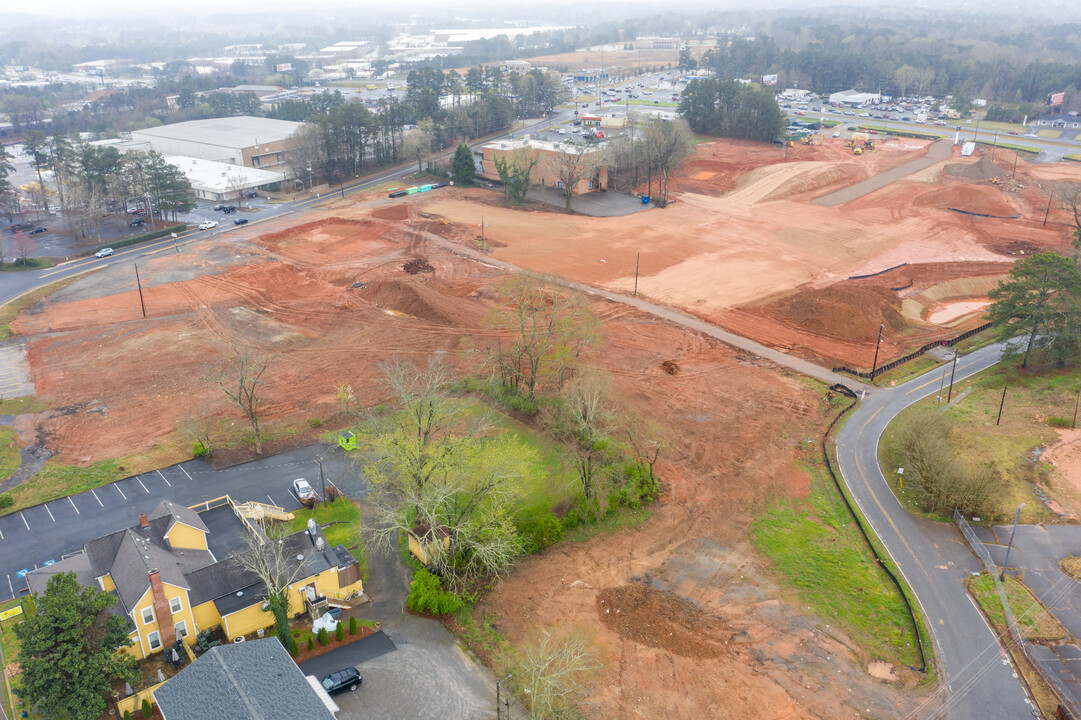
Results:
[148, 615]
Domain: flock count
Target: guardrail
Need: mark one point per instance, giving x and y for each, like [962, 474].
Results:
[1061, 693]
[911, 356]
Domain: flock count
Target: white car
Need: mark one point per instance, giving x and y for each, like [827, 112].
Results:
[304, 491]
[104, 252]
[836, 133]
[208, 224]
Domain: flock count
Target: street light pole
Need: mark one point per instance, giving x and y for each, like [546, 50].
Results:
[498, 711]
[1009, 547]
[949, 395]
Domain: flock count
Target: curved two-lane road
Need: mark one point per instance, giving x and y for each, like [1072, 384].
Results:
[978, 682]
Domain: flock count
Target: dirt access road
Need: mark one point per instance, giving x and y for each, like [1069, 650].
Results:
[938, 151]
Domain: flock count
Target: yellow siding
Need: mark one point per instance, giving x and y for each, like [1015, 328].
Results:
[206, 616]
[107, 583]
[185, 536]
[134, 703]
[246, 621]
[140, 636]
[420, 553]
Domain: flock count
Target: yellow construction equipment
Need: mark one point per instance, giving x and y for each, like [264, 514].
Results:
[858, 150]
[813, 139]
[262, 511]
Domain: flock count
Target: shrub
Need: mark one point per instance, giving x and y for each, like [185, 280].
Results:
[323, 637]
[293, 649]
[1059, 422]
[148, 709]
[6, 500]
[352, 625]
[311, 643]
[426, 594]
[339, 632]
[198, 449]
[540, 531]
[315, 422]
[127, 715]
[136, 239]
[30, 607]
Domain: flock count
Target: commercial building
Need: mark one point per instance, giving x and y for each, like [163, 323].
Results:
[250, 141]
[648, 42]
[546, 171]
[852, 98]
[221, 181]
[173, 577]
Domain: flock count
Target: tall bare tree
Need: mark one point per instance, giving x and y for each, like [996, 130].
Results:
[241, 379]
[550, 327]
[667, 145]
[1069, 195]
[271, 560]
[587, 417]
[551, 673]
[571, 166]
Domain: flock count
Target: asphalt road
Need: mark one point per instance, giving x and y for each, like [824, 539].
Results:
[979, 681]
[18, 283]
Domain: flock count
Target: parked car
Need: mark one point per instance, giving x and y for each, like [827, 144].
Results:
[137, 222]
[19, 227]
[219, 206]
[38, 231]
[836, 133]
[138, 211]
[104, 252]
[208, 224]
[250, 195]
[229, 209]
[304, 491]
[240, 221]
[334, 612]
[342, 680]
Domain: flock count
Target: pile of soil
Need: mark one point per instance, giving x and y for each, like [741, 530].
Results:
[852, 312]
[394, 213]
[982, 199]
[982, 169]
[658, 619]
[406, 297]
[418, 265]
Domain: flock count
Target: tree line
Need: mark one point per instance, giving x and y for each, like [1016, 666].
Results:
[729, 108]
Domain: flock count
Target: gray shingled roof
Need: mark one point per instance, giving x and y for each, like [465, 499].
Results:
[255, 680]
[178, 513]
[79, 564]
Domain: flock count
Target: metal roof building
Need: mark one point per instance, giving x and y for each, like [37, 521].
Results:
[245, 140]
[221, 181]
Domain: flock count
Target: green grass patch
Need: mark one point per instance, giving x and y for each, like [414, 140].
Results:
[1050, 134]
[345, 532]
[141, 238]
[900, 132]
[828, 124]
[55, 480]
[1074, 157]
[26, 264]
[1011, 146]
[10, 309]
[9, 452]
[10, 643]
[1033, 620]
[818, 550]
[651, 103]
[1032, 398]
[20, 405]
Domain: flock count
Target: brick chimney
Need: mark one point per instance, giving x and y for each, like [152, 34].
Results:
[143, 522]
[161, 610]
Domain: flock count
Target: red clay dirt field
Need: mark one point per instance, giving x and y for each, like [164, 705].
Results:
[743, 246]
[331, 295]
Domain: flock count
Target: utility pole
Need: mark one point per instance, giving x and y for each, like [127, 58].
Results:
[994, 146]
[639, 259]
[1016, 154]
[498, 704]
[874, 365]
[1048, 211]
[1001, 403]
[949, 395]
[1075, 404]
[140, 284]
[1002, 574]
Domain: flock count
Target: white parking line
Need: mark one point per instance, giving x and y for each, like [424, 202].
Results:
[10, 586]
[50, 513]
[96, 497]
[271, 499]
[164, 478]
[144, 486]
[120, 491]
[1, 534]
[73, 505]
[184, 471]
[24, 520]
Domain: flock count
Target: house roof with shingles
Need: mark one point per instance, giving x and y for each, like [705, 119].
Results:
[178, 513]
[255, 680]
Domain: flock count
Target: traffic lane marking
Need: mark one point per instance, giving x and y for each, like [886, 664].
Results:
[139, 247]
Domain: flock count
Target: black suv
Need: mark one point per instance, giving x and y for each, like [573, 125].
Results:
[342, 680]
[229, 209]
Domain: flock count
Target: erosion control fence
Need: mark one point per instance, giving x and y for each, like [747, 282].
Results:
[911, 356]
[863, 531]
[1016, 638]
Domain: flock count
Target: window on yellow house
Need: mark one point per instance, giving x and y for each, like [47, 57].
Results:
[148, 615]
[175, 605]
[182, 629]
[154, 640]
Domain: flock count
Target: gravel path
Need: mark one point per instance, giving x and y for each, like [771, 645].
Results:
[939, 151]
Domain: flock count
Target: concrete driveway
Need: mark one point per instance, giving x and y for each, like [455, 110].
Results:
[597, 204]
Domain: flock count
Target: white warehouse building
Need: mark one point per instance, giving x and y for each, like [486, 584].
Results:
[221, 181]
[854, 99]
[249, 141]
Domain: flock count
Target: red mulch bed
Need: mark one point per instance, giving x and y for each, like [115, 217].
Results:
[306, 654]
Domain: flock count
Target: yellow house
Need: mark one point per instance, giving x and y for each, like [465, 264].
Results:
[173, 577]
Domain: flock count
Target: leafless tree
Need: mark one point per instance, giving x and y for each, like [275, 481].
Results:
[645, 436]
[571, 166]
[551, 673]
[269, 558]
[236, 187]
[1069, 195]
[585, 417]
[550, 328]
[240, 378]
[667, 145]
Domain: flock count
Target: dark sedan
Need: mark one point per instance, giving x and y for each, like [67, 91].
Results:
[38, 231]
[240, 221]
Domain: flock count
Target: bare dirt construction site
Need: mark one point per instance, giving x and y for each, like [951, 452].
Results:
[744, 246]
[341, 289]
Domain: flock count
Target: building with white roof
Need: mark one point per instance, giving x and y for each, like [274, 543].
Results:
[253, 142]
[222, 181]
[854, 99]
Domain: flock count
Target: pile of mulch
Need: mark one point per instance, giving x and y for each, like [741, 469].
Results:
[982, 169]
[846, 310]
[659, 619]
[409, 297]
[418, 266]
